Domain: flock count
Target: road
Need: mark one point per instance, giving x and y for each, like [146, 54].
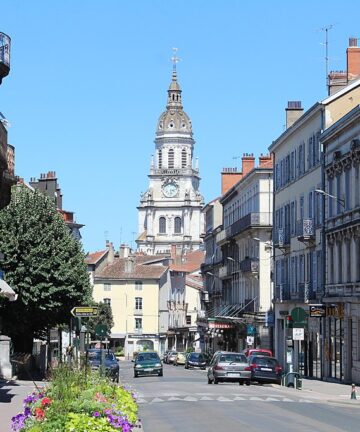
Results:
[182, 400]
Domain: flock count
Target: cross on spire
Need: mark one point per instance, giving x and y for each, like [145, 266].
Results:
[175, 59]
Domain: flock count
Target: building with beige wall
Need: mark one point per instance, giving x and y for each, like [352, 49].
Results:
[341, 326]
[132, 286]
[298, 213]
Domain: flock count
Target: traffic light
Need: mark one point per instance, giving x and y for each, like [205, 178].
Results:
[289, 322]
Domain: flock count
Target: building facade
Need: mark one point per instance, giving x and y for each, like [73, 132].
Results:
[341, 325]
[170, 209]
[298, 219]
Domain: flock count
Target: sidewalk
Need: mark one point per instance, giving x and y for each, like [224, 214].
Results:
[330, 391]
[12, 394]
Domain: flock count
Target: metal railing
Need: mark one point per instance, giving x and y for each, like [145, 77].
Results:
[248, 221]
[282, 237]
[249, 265]
[282, 292]
[305, 229]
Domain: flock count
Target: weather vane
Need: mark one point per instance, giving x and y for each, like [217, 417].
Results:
[175, 59]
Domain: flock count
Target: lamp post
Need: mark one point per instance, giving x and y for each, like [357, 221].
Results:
[339, 200]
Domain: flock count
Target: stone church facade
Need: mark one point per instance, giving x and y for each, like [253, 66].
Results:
[170, 209]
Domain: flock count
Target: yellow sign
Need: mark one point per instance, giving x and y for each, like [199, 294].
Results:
[84, 311]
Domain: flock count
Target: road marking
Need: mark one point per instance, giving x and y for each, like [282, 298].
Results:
[157, 400]
[224, 399]
[287, 400]
[270, 399]
[141, 401]
[174, 398]
[190, 399]
[206, 398]
[255, 398]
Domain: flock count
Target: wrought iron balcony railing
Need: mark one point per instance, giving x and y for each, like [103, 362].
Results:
[249, 265]
[305, 230]
[282, 292]
[249, 221]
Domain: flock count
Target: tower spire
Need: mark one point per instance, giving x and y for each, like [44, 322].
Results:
[174, 92]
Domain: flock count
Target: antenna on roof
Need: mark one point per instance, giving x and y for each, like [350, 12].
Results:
[326, 30]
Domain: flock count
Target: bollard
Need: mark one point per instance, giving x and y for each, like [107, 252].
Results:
[353, 392]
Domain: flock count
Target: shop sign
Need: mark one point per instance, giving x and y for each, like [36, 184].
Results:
[219, 325]
[249, 340]
[317, 310]
[335, 310]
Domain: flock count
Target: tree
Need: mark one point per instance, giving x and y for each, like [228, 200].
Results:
[43, 263]
[104, 316]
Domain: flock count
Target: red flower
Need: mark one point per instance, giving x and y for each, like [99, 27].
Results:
[39, 414]
[46, 401]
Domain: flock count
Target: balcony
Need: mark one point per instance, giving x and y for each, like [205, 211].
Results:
[4, 55]
[249, 266]
[138, 331]
[251, 220]
[224, 272]
[282, 292]
[282, 238]
[138, 311]
[304, 293]
[305, 230]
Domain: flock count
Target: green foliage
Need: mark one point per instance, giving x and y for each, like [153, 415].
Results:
[190, 349]
[43, 263]
[104, 316]
[84, 423]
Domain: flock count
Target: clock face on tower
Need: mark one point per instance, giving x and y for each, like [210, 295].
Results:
[170, 190]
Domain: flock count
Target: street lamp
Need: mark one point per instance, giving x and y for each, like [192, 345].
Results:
[339, 200]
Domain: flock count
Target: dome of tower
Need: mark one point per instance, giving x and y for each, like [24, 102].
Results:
[174, 121]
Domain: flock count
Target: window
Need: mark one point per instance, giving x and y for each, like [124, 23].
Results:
[107, 287]
[183, 158]
[340, 263]
[188, 319]
[138, 323]
[138, 303]
[338, 193]
[162, 225]
[171, 158]
[107, 301]
[160, 158]
[138, 286]
[177, 225]
[347, 190]
[330, 201]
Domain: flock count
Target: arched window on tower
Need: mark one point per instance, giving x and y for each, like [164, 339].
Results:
[177, 225]
[160, 158]
[183, 158]
[171, 158]
[162, 225]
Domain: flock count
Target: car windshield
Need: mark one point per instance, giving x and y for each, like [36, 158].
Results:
[233, 358]
[147, 356]
[96, 355]
[265, 361]
[195, 356]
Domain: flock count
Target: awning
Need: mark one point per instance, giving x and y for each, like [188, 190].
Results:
[7, 291]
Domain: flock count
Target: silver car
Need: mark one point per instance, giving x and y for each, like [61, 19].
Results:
[229, 366]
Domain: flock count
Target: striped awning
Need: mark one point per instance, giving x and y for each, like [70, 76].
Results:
[7, 291]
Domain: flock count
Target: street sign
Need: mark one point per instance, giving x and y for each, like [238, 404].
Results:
[298, 334]
[101, 330]
[84, 311]
[249, 340]
[298, 316]
[250, 330]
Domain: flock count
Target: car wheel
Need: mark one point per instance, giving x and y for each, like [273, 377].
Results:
[161, 374]
[248, 382]
[135, 375]
[241, 382]
[209, 381]
[186, 367]
[216, 381]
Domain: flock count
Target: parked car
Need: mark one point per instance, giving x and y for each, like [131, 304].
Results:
[148, 363]
[195, 360]
[265, 369]
[180, 359]
[257, 351]
[164, 356]
[111, 365]
[229, 366]
[171, 357]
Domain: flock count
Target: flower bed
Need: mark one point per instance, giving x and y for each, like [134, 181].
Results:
[77, 401]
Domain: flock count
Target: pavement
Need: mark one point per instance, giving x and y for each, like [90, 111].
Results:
[327, 391]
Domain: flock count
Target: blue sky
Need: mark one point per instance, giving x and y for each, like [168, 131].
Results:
[89, 80]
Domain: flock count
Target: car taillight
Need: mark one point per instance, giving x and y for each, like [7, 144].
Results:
[248, 368]
[278, 369]
[217, 367]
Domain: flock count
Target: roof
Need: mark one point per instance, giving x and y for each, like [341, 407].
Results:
[7, 291]
[194, 281]
[94, 257]
[134, 267]
[190, 262]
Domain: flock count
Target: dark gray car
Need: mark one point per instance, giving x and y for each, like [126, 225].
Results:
[229, 366]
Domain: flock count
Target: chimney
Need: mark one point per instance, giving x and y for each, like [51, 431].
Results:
[293, 112]
[129, 265]
[229, 176]
[248, 163]
[353, 60]
[124, 251]
[265, 161]
[111, 253]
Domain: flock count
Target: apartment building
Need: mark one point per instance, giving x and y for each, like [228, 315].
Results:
[341, 325]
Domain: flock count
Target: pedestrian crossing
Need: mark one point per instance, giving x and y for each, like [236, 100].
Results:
[142, 399]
